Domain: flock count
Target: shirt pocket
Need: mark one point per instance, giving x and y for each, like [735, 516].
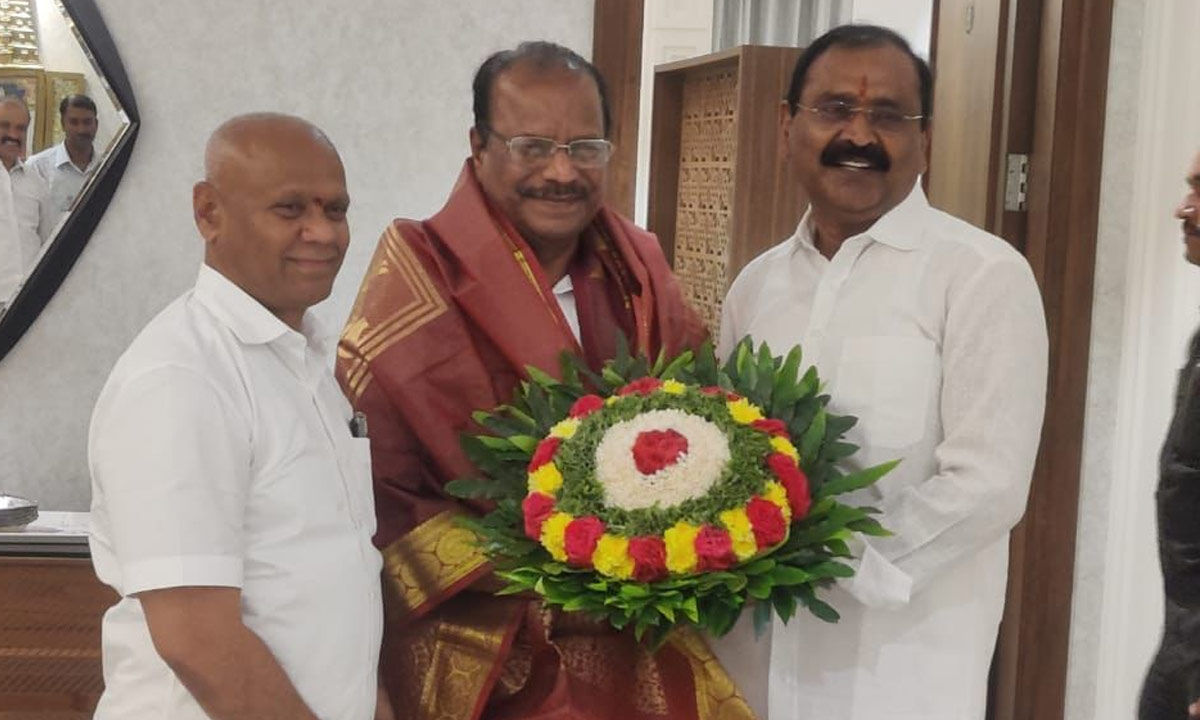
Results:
[359, 482]
[886, 382]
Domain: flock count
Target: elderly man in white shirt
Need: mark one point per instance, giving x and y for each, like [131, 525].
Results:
[932, 333]
[30, 194]
[67, 165]
[232, 507]
[10, 246]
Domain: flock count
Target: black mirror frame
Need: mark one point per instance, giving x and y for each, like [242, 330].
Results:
[77, 229]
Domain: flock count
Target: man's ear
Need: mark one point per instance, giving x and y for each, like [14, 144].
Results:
[207, 210]
[478, 143]
[785, 128]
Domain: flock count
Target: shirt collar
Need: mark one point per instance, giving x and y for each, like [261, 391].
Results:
[900, 227]
[248, 319]
[62, 157]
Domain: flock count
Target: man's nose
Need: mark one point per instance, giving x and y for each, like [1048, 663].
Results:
[319, 228]
[1187, 209]
[560, 167]
[858, 129]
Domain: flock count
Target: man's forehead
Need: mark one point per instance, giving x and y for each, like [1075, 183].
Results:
[879, 71]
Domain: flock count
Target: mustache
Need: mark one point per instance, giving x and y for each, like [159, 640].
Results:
[1190, 228]
[838, 152]
[9, 139]
[554, 191]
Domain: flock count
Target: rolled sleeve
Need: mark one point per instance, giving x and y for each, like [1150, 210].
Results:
[171, 467]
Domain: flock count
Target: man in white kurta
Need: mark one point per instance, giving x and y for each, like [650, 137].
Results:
[932, 333]
[232, 507]
[10, 245]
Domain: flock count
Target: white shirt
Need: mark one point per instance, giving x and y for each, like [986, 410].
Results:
[564, 294]
[65, 179]
[10, 244]
[932, 333]
[221, 455]
[35, 216]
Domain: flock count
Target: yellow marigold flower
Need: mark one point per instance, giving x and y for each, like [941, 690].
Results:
[612, 399]
[673, 387]
[785, 446]
[565, 429]
[775, 493]
[611, 557]
[680, 540]
[743, 412]
[741, 532]
[554, 529]
[546, 479]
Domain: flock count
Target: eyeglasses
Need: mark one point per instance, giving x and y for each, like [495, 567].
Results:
[836, 112]
[589, 153]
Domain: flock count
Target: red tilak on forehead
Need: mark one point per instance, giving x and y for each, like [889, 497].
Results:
[862, 88]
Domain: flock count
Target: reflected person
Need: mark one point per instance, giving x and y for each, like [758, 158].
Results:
[30, 193]
[67, 165]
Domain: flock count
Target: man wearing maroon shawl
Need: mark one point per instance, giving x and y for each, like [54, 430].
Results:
[522, 263]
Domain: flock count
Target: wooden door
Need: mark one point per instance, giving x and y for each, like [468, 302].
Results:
[1028, 77]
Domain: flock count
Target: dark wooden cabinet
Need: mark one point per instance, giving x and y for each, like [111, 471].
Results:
[50, 612]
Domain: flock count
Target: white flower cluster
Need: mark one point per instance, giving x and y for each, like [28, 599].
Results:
[693, 475]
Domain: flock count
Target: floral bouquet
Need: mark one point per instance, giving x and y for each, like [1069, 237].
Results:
[653, 495]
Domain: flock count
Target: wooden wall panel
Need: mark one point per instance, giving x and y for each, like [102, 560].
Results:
[617, 53]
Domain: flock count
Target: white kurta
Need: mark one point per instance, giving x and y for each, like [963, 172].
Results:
[10, 243]
[221, 455]
[932, 333]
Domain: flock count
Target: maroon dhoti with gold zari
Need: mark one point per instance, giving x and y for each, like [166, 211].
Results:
[451, 312]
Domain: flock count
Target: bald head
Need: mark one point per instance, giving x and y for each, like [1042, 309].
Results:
[246, 139]
[272, 210]
[14, 123]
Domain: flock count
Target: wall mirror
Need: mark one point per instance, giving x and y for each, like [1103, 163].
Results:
[65, 168]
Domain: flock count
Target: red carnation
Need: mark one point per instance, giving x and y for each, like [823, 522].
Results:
[712, 390]
[641, 386]
[767, 521]
[536, 508]
[714, 549]
[544, 452]
[771, 426]
[794, 481]
[732, 396]
[585, 406]
[654, 450]
[580, 539]
[649, 555]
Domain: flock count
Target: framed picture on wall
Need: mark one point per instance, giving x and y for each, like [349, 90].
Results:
[58, 86]
[29, 85]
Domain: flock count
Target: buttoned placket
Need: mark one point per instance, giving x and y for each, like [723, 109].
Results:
[834, 274]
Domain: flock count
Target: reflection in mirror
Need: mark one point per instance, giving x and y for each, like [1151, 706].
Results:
[59, 119]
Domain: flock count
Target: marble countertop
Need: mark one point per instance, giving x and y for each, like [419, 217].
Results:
[53, 530]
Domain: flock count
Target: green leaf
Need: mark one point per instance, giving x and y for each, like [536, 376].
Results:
[810, 442]
[856, 481]
[762, 619]
[790, 575]
[816, 606]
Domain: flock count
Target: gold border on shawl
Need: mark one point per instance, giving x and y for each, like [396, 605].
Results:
[426, 305]
[717, 698]
[429, 560]
[467, 657]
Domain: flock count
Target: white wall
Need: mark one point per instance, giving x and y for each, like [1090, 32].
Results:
[1144, 308]
[389, 81]
[671, 30]
[61, 52]
[913, 19]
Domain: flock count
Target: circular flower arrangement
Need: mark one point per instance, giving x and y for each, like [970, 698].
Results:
[677, 492]
[663, 478]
